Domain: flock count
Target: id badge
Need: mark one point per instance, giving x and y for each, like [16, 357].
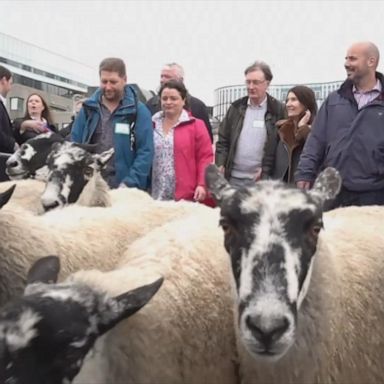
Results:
[258, 123]
[122, 128]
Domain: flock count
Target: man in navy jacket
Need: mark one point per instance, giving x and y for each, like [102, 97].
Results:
[348, 132]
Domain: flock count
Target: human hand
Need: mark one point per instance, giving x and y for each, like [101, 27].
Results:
[36, 126]
[258, 174]
[303, 184]
[305, 119]
[200, 193]
[221, 169]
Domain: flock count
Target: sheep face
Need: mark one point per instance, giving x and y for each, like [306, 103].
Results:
[70, 168]
[271, 234]
[45, 335]
[31, 156]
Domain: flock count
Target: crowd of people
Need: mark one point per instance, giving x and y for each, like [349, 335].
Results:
[164, 146]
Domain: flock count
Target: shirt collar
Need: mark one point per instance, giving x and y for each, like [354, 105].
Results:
[3, 99]
[184, 116]
[261, 105]
[375, 89]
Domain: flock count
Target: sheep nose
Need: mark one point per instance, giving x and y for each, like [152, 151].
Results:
[267, 330]
[48, 206]
[12, 163]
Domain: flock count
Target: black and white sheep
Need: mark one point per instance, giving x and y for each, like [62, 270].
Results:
[309, 306]
[45, 334]
[185, 335]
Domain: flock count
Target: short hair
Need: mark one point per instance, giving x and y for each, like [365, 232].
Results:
[178, 67]
[180, 87]
[307, 97]
[113, 64]
[174, 84]
[262, 66]
[5, 72]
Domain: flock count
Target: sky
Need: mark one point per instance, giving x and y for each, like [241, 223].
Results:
[303, 41]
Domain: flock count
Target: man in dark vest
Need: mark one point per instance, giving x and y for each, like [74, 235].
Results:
[198, 109]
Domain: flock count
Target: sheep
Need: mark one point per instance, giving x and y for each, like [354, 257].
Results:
[308, 305]
[74, 176]
[84, 237]
[45, 334]
[30, 158]
[27, 194]
[185, 335]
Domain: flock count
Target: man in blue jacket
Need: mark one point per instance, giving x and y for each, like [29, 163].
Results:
[113, 117]
[348, 132]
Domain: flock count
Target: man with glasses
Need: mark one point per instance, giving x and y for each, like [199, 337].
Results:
[245, 150]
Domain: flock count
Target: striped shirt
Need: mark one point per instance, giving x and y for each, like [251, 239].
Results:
[364, 98]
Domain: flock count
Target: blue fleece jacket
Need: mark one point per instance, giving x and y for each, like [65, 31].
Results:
[133, 161]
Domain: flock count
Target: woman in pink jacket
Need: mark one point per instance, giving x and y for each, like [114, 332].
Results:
[183, 148]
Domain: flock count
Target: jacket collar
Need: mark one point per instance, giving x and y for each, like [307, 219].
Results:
[184, 118]
[127, 101]
[346, 89]
[271, 104]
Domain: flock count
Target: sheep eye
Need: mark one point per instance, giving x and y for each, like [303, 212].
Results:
[88, 171]
[225, 226]
[316, 230]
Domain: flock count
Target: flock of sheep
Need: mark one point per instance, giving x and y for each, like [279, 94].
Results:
[219, 315]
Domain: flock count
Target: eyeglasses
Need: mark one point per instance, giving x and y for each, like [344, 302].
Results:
[254, 82]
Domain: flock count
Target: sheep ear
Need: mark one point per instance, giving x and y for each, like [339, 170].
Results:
[91, 148]
[45, 270]
[217, 185]
[327, 185]
[127, 304]
[103, 158]
[5, 196]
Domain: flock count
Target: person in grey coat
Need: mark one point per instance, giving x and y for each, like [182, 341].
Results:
[348, 132]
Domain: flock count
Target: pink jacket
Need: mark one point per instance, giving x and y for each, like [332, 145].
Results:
[193, 152]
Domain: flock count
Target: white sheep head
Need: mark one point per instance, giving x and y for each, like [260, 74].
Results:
[271, 233]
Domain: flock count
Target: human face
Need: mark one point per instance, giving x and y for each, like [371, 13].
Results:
[171, 102]
[5, 86]
[256, 86]
[35, 106]
[294, 107]
[358, 64]
[112, 85]
[168, 74]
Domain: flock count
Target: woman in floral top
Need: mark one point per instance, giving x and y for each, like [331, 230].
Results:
[182, 148]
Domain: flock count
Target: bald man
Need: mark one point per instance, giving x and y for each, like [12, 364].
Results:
[348, 132]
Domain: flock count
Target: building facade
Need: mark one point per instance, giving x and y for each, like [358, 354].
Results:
[224, 96]
[57, 78]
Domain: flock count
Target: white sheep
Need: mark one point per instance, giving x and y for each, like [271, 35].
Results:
[27, 194]
[83, 237]
[185, 335]
[309, 307]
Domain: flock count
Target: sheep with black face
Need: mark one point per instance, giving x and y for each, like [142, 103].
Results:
[309, 304]
[46, 333]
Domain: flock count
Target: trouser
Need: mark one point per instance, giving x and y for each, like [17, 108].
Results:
[346, 198]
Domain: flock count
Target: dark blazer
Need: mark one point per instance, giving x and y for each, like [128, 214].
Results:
[194, 105]
[7, 140]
